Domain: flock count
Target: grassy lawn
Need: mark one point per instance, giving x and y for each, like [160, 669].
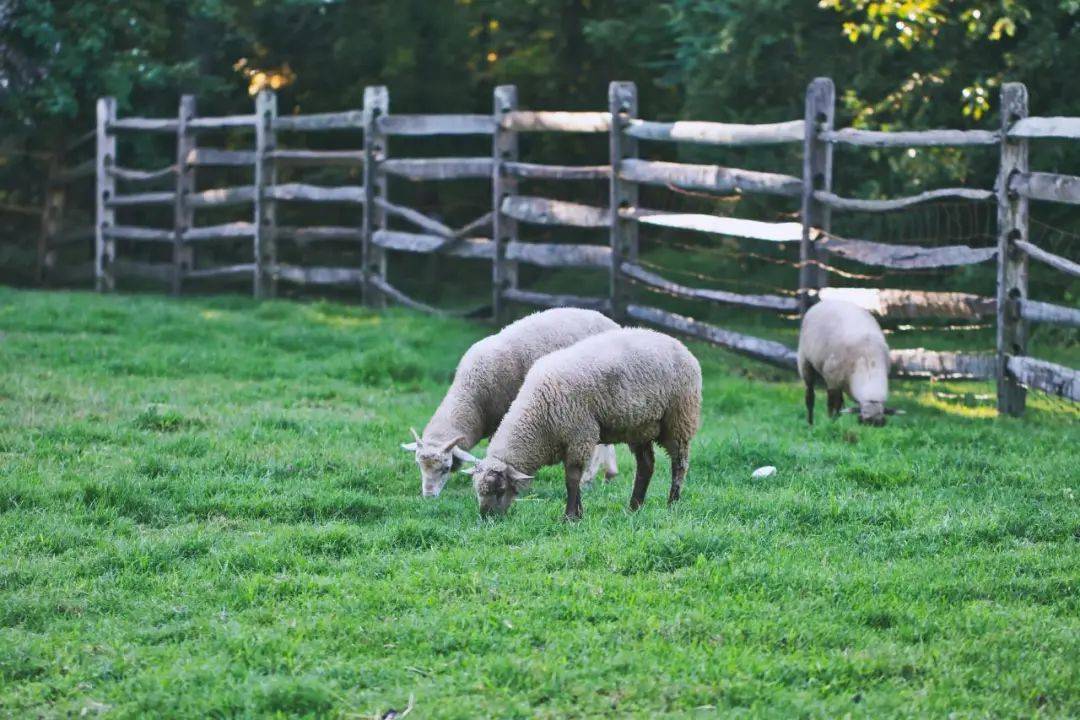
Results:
[204, 512]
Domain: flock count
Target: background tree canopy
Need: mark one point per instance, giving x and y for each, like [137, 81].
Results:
[896, 63]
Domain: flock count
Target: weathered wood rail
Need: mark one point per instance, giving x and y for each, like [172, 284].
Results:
[385, 227]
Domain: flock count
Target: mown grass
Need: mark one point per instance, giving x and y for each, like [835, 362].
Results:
[204, 512]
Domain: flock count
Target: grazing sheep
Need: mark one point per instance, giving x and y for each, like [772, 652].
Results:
[633, 385]
[485, 383]
[842, 344]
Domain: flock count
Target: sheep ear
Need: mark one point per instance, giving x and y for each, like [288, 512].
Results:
[411, 447]
[464, 455]
[416, 436]
[895, 411]
[450, 445]
[850, 410]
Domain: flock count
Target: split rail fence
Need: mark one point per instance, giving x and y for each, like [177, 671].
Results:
[494, 236]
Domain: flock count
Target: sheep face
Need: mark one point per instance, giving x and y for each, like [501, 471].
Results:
[497, 485]
[872, 413]
[435, 462]
[435, 470]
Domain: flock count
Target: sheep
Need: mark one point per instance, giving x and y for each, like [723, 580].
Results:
[842, 344]
[486, 381]
[629, 385]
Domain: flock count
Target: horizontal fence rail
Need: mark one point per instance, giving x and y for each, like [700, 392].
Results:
[785, 232]
[543, 211]
[1036, 311]
[576, 122]
[1055, 261]
[905, 257]
[350, 120]
[1047, 186]
[917, 138]
[141, 175]
[222, 123]
[439, 168]
[147, 198]
[316, 158]
[436, 124]
[1046, 376]
[1046, 127]
[220, 232]
[305, 192]
[162, 125]
[551, 255]
[124, 232]
[318, 275]
[210, 157]
[709, 177]
[836, 202]
[220, 197]
[531, 171]
[318, 233]
[478, 248]
[222, 271]
[656, 282]
[712, 133]
[768, 351]
[919, 363]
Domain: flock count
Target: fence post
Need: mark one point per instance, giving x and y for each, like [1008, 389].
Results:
[504, 148]
[183, 214]
[816, 175]
[623, 106]
[265, 210]
[373, 257]
[51, 215]
[1012, 268]
[104, 216]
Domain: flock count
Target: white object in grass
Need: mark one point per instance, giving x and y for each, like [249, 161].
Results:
[763, 472]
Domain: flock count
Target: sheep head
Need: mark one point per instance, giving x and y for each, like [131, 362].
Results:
[497, 485]
[436, 461]
[872, 413]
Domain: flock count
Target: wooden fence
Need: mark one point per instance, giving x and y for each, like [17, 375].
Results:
[57, 252]
[384, 225]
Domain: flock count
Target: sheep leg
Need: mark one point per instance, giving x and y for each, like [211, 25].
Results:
[680, 463]
[593, 468]
[573, 492]
[809, 376]
[611, 466]
[836, 402]
[646, 462]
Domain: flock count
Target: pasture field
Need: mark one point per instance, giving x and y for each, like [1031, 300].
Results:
[204, 512]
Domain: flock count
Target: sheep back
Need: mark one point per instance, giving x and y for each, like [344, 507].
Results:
[491, 372]
[625, 385]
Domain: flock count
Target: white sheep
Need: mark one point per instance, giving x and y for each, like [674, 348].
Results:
[842, 344]
[629, 385]
[486, 381]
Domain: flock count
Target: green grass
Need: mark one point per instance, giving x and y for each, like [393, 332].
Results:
[204, 512]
